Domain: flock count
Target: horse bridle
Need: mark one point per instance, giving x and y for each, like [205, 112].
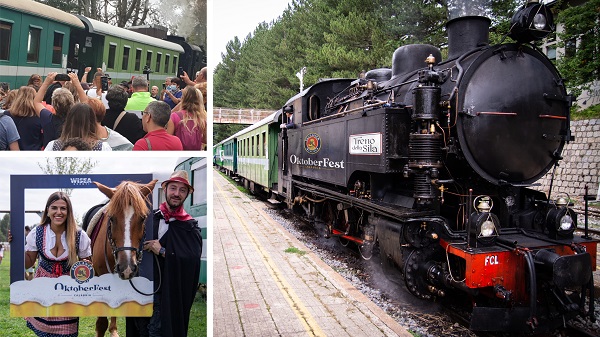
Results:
[138, 254]
[115, 249]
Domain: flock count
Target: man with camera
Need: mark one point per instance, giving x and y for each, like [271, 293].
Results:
[99, 87]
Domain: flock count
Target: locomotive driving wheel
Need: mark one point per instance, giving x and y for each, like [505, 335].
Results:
[415, 275]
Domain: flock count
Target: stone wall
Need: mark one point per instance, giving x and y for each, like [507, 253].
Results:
[580, 164]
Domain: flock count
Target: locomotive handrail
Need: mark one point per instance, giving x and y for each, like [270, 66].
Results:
[345, 112]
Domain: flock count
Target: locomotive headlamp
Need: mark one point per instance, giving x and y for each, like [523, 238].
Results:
[531, 22]
[487, 229]
[561, 223]
[484, 225]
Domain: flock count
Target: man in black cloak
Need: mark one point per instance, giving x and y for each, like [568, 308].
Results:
[178, 245]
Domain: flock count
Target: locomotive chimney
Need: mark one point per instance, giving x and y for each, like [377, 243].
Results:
[468, 25]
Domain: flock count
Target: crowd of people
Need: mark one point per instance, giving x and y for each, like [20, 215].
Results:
[62, 112]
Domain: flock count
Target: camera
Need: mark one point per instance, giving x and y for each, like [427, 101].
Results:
[147, 70]
[164, 86]
[104, 82]
[180, 72]
[62, 77]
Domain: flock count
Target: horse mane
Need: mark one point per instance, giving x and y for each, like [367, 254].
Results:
[127, 194]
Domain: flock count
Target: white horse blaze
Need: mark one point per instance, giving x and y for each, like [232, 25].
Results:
[129, 213]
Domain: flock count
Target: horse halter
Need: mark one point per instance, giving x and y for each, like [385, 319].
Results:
[115, 249]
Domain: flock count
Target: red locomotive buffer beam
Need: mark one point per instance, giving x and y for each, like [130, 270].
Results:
[495, 266]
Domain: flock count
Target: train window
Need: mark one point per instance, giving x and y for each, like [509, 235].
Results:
[57, 47]
[5, 33]
[167, 59]
[199, 195]
[314, 105]
[138, 59]
[252, 147]
[158, 60]
[126, 50]
[112, 51]
[264, 143]
[174, 71]
[148, 58]
[33, 44]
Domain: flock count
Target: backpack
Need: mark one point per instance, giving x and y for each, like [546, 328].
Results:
[191, 140]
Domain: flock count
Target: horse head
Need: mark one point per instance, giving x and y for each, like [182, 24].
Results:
[126, 215]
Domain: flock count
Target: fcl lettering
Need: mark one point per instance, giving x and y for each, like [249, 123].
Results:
[491, 260]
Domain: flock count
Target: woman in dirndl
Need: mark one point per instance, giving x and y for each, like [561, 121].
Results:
[58, 243]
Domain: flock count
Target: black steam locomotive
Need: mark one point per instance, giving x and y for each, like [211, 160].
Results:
[433, 162]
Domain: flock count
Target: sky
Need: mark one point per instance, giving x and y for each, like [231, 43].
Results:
[231, 18]
[161, 165]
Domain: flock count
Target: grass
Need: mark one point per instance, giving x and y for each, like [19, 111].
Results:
[294, 250]
[15, 326]
[234, 183]
[592, 112]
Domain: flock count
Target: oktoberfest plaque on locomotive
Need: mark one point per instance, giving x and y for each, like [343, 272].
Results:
[82, 289]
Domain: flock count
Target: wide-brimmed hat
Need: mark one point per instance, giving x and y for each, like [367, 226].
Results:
[180, 177]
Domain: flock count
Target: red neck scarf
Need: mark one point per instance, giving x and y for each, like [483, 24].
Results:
[179, 213]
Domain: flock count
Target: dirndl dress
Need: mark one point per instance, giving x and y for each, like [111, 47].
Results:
[47, 267]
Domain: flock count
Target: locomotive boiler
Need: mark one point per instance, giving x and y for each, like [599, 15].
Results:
[435, 163]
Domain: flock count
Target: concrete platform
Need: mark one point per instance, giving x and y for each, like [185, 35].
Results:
[267, 283]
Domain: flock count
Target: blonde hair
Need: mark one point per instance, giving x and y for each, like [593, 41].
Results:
[192, 102]
[22, 105]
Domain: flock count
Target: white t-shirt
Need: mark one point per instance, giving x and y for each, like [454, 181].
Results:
[85, 248]
[93, 94]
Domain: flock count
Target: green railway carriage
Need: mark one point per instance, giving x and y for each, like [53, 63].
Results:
[123, 53]
[34, 39]
[195, 204]
[257, 154]
[226, 155]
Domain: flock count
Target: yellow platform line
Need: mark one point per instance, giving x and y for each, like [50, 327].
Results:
[300, 310]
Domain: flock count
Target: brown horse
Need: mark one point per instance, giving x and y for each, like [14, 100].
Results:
[115, 248]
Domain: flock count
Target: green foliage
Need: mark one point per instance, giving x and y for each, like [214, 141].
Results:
[581, 23]
[332, 39]
[4, 227]
[222, 131]
[592, 112]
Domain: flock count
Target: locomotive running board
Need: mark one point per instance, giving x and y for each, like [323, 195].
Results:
[368, 205]
[499, 319]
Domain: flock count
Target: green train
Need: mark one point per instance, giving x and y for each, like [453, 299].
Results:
[251, 155]
[36, 39]
[195, 204]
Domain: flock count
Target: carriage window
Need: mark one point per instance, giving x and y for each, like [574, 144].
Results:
[57, 48]
[138, 59]
[264, 143]
[148, 58]
[174, 65]
[112, 51]
[126, 50]
[5, 33]
[167, 59]
[199, 194]
[33, 44]
[257, 145]
[158, 60]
